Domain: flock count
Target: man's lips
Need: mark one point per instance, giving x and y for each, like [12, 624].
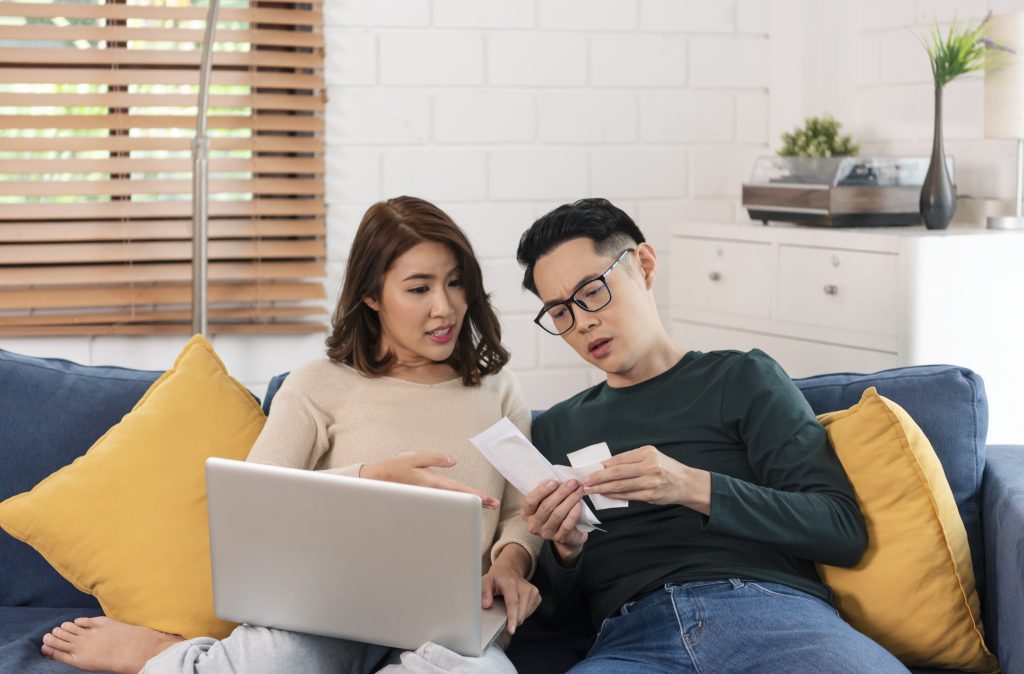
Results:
[595, 344]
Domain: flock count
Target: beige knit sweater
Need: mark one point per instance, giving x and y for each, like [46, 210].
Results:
[327, 416]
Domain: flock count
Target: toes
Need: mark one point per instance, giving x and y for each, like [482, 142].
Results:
[54, 643]
[46, 650]
[85, 622]
[61, 656]
[72, 628]
[62, 634]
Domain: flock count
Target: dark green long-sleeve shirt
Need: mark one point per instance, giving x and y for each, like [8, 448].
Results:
[780, 500]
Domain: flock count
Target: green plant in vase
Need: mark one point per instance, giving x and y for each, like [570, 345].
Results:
[962, 50]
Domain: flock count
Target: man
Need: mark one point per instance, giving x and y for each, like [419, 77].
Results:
[733, 490]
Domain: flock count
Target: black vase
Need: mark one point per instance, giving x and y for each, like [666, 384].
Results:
[938, 194]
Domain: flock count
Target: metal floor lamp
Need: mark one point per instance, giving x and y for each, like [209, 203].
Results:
[200, 180]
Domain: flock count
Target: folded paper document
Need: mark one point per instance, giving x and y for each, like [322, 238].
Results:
[525, 467]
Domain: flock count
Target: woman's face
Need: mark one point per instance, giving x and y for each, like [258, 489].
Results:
[421, 306]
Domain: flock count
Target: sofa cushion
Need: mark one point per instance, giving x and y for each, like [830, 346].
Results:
[272, 388]
[949, 405]
[127, 522]
[21, 636]
[913, 591]
[53, 410]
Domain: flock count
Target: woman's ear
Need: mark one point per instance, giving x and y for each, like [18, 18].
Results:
[372, 303]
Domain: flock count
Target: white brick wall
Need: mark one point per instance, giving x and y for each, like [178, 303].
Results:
[499, 110]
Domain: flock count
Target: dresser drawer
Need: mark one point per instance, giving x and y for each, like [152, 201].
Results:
[732, 277]
[842, 289]
[797, 357]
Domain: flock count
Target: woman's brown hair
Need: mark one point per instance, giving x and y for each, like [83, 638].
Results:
[389, 229]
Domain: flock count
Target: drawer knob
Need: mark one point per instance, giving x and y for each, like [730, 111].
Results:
[831, 289]
[715, 276]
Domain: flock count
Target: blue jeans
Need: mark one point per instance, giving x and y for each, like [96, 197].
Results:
[727, 626]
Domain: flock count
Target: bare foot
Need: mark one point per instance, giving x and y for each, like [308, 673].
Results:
[105, 645]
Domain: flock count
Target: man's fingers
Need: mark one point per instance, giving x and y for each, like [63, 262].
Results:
[568, 525]
[623, 488]
[561, 511]
[613, 473]
[556, 498]
[632, 456]
[537, 495]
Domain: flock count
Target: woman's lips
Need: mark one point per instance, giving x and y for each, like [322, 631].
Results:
[442, 335]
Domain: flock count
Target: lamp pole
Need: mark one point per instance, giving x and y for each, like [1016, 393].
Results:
[200, 180]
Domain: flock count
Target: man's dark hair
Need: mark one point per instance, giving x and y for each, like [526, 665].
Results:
[599, 220]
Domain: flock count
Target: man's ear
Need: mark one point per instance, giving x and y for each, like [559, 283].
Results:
[648, 258]
[372, 303]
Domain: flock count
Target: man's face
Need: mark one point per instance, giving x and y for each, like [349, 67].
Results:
[612, 338]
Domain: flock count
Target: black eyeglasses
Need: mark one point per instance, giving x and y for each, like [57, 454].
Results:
[558, 318]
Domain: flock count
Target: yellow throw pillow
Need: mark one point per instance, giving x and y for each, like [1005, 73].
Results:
[127, 521]
[913, 592]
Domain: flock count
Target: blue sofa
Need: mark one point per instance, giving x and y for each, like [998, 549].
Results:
[51, 411]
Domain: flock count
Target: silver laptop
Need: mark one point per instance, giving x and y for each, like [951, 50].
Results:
[372, 561]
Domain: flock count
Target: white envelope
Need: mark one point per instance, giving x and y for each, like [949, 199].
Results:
[522, 464]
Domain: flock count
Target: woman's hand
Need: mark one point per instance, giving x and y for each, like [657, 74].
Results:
[506, 579]
[645, 474]
[415, 468]
[551, 511]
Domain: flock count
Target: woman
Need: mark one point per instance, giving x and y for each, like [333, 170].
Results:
[414, 369]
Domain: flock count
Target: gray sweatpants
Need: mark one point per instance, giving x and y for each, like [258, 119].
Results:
[262, 650]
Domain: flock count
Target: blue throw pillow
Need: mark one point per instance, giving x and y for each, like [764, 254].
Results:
[51, 412]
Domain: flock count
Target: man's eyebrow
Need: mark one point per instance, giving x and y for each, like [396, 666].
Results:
[579, 284]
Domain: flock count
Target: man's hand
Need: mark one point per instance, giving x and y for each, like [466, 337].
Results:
[645, 474]
[551, 512]
[506, 578]
[415, 468]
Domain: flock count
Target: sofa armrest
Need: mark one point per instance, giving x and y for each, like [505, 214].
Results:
[1003, 523]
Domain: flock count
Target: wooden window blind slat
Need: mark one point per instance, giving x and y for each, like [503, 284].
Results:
[300, 102]
[100, 317]
[127, 76]
[65, 298]
[298, 17]
[257, 328]
[153, 230]
[276, 122]
[280, 144]
[217, 165]
[144, 251]
[97, 113]
[135, 187]
[162, 57]
[181, 209]
[154, 273]
[73, 32]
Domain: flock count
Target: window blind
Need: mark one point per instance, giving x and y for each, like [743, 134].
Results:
[97, 115]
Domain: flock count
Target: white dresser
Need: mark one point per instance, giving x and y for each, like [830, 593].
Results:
[859, 300]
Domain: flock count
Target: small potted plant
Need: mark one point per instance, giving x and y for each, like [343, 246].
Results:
[818, 138]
